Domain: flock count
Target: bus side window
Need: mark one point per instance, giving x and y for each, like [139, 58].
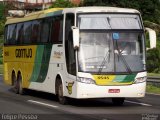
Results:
[27, 32]
[36, 31]
[19, 33]
[45, 30]
[11, 37]
[57, 30]
[69, 50]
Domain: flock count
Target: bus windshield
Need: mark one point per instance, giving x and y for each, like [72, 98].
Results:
[111, 46]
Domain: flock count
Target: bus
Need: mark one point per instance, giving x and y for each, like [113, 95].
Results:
[81, 53]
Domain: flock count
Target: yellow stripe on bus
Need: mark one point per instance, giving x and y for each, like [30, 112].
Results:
[15, 58]
[103, 79]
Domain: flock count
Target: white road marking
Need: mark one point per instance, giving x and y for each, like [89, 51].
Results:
[41, 103]
[144, 104]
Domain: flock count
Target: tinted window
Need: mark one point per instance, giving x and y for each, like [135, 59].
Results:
[36, 31]
[57, 29]
[45, 30]
[11, 35]
[69, 50]
[27, 32]
[19, 33]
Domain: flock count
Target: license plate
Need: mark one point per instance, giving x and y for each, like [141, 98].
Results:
[114, 91]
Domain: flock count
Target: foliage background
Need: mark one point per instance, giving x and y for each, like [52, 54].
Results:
[2, 22]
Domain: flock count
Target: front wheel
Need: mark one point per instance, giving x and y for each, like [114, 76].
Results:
[62, 99]
[118, 101]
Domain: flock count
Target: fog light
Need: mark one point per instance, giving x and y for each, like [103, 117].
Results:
[86, 80]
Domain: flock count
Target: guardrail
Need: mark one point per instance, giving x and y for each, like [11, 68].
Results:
[153, 80]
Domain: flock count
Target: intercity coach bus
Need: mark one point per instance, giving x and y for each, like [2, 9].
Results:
[83, 52]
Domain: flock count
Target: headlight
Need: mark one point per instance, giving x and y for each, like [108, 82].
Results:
[140, 79]
[86, 80]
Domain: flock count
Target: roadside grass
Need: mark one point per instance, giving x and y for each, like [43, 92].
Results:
[153, 89]
[153, 74]
[1, 68]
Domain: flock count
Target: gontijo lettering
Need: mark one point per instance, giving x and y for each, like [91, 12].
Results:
[23, 53]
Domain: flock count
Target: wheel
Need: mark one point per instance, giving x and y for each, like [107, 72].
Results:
[18, 89]
[62, 99]
[21, 89]
[118, 101]
[15, 84]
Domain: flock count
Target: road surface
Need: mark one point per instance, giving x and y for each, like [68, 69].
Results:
[42, 106]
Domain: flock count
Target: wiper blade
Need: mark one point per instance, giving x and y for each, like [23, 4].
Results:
[102, 64]
[123, 59]
[104, 61]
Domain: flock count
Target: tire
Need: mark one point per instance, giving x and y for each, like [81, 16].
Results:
[18, 89]
[118, 101]
[15, 84]
[21, 89]
[62, 99]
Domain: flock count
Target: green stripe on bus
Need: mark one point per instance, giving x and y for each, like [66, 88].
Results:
[129, 78]
[37, 63]
[119, 78]
[125, 78]
[45, 63]
[56, 13]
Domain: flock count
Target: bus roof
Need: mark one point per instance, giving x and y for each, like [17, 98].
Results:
[32, 16]
[52, 11]
[100, 9]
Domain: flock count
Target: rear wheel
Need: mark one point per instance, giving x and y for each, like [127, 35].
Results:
[118, 101]
[21, 89]
[15, 84]
[62, 99]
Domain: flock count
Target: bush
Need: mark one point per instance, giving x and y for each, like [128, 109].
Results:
[153, 60]
[1, 60]
[62, 4]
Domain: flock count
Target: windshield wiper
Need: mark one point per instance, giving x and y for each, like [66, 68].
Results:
[104, 60]
[123, 59]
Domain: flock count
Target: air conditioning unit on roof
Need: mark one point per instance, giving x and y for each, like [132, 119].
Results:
[16, 13]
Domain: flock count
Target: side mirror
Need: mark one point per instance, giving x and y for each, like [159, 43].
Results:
[75, 37]
[152, 37]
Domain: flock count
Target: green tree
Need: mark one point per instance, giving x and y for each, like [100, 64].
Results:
[93, 3]
[2, 10]
[62, 4]
[153, 58]
[1, 27]
[2, 18]
[150, 10]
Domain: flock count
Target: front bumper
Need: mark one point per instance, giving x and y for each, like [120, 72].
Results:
[95, 91]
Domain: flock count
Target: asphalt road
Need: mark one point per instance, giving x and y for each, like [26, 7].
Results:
[42, 106]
